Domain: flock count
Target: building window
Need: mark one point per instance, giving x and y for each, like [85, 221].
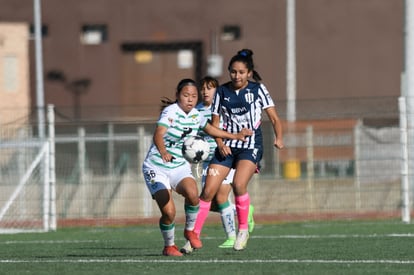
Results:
[94, 34]
[230, 32]
[185, 59]
[44, 31]
[10, 76]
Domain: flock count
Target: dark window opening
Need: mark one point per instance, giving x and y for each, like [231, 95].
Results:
[230, 32]
[44, 30]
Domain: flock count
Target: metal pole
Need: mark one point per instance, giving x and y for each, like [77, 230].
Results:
[405, 193]
[357, 154]
[291, 61]
[82, 168]
[408, 85]
[40, 104]
[46, 190]
[310, 165]
[111, 150]
[52, 166]
[291, 74]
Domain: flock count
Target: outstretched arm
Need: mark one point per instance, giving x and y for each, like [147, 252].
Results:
[218, 133]
[277, 127]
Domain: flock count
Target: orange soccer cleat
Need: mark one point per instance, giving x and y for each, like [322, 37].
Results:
[192, 237]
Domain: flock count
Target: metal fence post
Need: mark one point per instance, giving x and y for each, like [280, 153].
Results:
[310, 164]
[82, 164]
[405, 192]
[52, 165]
[357, 150]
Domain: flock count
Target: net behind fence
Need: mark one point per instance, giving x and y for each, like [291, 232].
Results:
[24, 190]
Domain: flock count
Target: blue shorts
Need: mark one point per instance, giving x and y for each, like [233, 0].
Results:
[254, 155]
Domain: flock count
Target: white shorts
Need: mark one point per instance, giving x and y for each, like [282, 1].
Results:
[227, 180]
[159, 178]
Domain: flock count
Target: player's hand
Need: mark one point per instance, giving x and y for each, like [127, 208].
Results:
[167, 157]
[243, 134]
[224, 150]
[279, 143]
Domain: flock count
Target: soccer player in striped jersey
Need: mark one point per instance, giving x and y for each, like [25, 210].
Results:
[239, 103]
[221, 202]
[165, 168]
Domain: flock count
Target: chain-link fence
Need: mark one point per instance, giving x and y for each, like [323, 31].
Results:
[331, 167]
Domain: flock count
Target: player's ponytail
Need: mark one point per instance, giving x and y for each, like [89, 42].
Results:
[165, 102]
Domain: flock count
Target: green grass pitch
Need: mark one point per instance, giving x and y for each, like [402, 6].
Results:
[334, 247]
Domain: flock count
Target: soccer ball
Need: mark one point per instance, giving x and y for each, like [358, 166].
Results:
[195, 149]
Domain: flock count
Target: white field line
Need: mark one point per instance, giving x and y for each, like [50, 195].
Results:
[335, 236]
[251, 261]
[330, 236]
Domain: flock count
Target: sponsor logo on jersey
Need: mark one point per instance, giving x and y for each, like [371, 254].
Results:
[239, 110]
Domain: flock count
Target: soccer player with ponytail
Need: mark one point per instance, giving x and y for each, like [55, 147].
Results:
[239, 104]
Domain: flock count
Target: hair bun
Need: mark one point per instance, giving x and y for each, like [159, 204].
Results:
[245, 52]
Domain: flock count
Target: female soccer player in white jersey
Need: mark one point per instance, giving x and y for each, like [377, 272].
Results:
[165, 168]
[221, 202]
[239, 103]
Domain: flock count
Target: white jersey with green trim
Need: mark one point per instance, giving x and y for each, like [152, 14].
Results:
[179, 127]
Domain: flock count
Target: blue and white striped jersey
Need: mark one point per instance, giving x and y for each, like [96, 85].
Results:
[242, 109]
[205, 111]
[179, 127]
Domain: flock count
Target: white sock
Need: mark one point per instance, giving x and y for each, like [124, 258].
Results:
[228, 221]
[168, 234]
